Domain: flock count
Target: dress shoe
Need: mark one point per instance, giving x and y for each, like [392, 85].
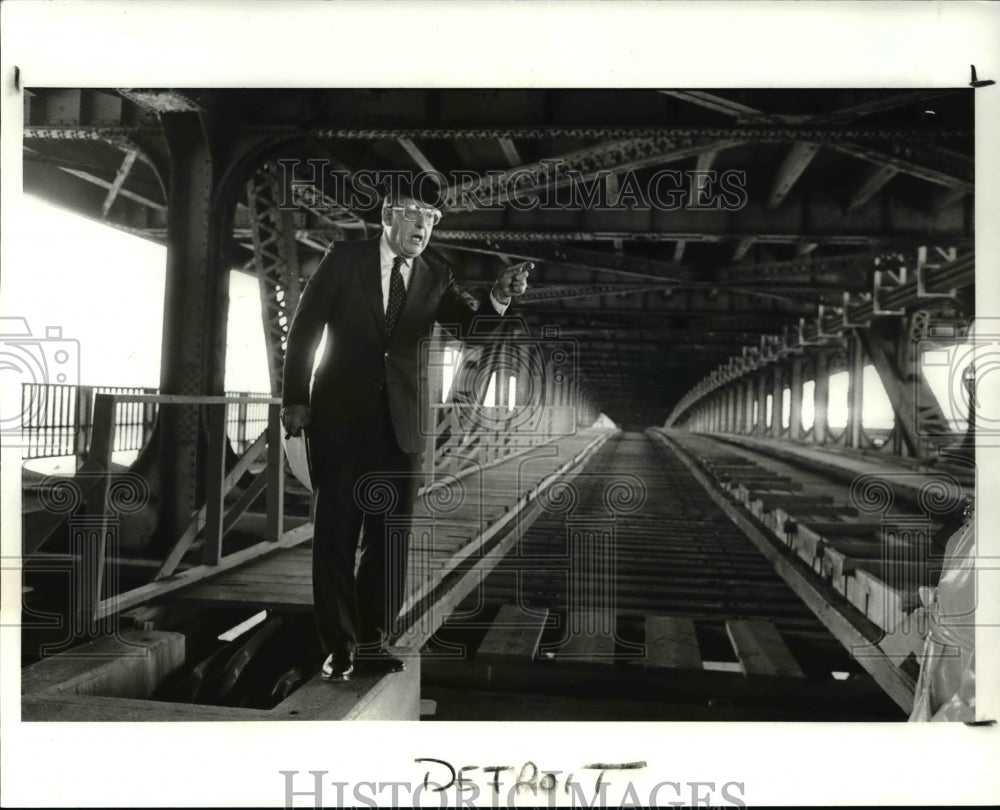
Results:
[338, 666]
[381, 661]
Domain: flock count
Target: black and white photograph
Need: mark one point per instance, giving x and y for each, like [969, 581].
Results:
[580, 418]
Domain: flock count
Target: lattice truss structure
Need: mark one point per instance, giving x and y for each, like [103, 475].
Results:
[839, 180]
[276, 263]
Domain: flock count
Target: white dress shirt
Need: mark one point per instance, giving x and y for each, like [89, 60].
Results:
[386, 257]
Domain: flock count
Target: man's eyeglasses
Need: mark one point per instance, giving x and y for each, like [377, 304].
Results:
[414, 213]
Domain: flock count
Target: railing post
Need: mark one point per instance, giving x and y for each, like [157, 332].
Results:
[241, 424]
[89, 571]
[214, 474]
[148, 415]
[84, 420]
[275, 476]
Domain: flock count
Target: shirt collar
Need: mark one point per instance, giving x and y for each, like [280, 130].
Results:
[386, 253]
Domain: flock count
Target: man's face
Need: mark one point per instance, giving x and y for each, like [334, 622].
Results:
[408, 226]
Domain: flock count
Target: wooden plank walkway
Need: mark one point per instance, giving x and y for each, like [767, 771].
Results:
[450, 519]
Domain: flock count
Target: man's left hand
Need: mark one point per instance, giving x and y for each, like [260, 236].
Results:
[512, 281]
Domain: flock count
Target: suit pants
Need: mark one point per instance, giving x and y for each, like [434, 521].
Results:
[365, 488]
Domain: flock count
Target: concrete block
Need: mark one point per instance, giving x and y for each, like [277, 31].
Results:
[129, 665]
[394, 696]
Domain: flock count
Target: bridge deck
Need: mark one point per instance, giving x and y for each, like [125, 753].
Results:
[448, 522]
[648, 605]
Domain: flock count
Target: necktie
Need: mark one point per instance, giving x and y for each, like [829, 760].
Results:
[397, 295]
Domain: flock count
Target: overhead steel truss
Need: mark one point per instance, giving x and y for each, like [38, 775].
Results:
[830, 323]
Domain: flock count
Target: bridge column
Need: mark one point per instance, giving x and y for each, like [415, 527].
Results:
[821, 397]
[795, 395]
[855, 388]
[738, 406]
[731, 409]
[777, 394]
[196, 308]
[748, 404]
[761, 426]
[893, 347]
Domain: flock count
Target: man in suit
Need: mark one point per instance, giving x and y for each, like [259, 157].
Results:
[377, 300]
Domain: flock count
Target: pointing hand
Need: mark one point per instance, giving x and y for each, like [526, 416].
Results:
[512, 281]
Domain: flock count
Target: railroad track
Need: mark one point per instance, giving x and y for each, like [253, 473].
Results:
[633, 596]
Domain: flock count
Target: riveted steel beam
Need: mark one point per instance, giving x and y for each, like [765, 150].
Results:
[510, 151]
[161, 100]
[124, 192]
[116, 185]
[568, 291]
[796, 161]
[742, 134]
[851, 269]
[889, 101]
[750, 133]
[120, 136]
[579, 166]
[845, 238]
[418, 156]
[935, 165]
[744, 245]
[194, 321]
[723, 105]
[873, 181]
[276, 264]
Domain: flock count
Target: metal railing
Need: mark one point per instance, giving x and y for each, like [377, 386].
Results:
[94, 534]
[464, 437]
[58, 420]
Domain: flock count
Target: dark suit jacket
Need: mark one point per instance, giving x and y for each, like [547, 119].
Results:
[359, 360]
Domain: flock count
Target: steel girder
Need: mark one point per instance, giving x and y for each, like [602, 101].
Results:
[788, 133]
[195, 312]
[918, 415]
[276, 263]
[911, 151]
[845, 239]
[846, 270]
[759, 133]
